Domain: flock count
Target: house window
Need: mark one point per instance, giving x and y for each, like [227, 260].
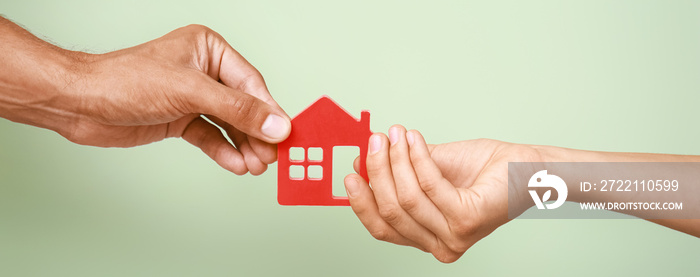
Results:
[296, 172]
[306, 163]
[315, 172]
[315, 154]
[296, 154]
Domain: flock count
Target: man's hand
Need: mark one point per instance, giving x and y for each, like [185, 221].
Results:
[441, 199]
[144, 94]
[159, 89]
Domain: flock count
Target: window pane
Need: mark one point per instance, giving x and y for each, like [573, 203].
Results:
[315, 154]
[296, 172]
[315, 172]
[296, 154]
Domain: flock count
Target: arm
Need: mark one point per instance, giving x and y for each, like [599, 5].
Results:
[444, 198]
[573, 177]
[145, 94]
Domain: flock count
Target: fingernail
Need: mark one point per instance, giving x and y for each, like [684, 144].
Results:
[351, 187]
[275, 127]
[375, 142]
[410, 138]
[393, 135]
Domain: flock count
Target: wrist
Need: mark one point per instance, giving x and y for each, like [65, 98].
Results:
[39, 82]
[66, 89]
[41, 88]
[553, 154]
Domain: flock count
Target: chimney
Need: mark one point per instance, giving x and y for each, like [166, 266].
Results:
[364, 118]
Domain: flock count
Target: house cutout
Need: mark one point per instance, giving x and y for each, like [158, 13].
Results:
[305, 159]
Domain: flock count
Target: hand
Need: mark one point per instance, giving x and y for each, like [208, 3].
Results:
[159, 89]
[440, 199]
[148, 93]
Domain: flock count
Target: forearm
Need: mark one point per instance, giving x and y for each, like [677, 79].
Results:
[35, 79]
[560, 154]
[688, 189]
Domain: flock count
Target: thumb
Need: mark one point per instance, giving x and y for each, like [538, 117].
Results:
[243, 111]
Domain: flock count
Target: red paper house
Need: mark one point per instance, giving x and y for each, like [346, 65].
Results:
[316, 130]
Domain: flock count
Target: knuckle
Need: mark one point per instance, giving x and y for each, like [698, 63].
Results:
[446, 256]
[458, 246]
[195, 32]
[202, 35]
[201, 141]
[196, 138]
[380, 234]
[236, 165]
[427, 183]
[398, 154]
[390, 213]
[245, 110]
[463, 229]
[408, 202]
[374, 167]
[250, 81]
[255, 167]
[197, 29]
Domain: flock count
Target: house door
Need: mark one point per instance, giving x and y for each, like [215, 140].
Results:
[343, 157]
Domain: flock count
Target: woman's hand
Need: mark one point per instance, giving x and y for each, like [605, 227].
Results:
[438, 198]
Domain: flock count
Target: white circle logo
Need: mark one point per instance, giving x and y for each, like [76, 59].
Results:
[543, 180]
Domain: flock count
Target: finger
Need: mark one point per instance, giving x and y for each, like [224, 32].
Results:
[409, 193]
[236, 72]
[379, 173]
[356, 165]
[240, 140]
[252, 161]
[241, 110]
[175, 128]
[365, 207]
[265, 151]
[436, 187]
[207, 137]
[261, 151]
[229, 66]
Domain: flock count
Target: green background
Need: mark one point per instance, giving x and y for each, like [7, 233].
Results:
[599, 75]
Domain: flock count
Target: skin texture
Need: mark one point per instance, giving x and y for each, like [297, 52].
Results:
[444, 198]
[135, 96]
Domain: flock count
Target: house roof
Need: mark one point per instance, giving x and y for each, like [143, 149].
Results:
[325, 121]
[325, 108]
